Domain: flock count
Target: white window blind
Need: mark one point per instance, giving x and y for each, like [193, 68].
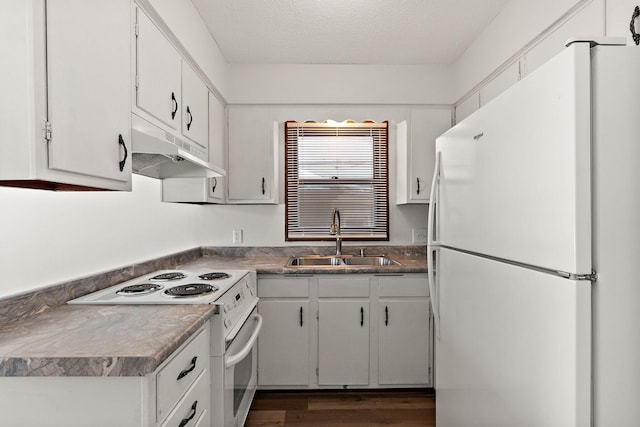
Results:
[342, 166]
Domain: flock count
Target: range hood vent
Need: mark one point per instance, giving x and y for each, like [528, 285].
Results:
[159, 154]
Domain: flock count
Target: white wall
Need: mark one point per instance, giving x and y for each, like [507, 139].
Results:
[264, 225]
[536, 32]
[518, 24]
[339, 84]
[49, 237]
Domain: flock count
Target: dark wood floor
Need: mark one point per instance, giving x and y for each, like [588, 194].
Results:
[343, 408]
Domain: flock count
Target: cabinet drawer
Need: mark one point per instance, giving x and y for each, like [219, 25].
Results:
[403, 286]
[343, 287]
[283, 287]
[194, 406]
[168, 384]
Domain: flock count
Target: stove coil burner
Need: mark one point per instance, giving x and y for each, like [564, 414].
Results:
[174, 275]
[190, 290]
[214, 276]
[139, 289]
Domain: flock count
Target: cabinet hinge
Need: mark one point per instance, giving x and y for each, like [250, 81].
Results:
[136, 29]
[46, 132]
[137, 81]
[317, 372]
[317, 315]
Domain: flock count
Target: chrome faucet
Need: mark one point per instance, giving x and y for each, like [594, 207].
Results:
[335, 230]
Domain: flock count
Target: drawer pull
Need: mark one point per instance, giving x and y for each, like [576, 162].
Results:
[191, 368]
[185, 421]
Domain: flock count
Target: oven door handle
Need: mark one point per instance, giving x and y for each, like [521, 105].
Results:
[237, 358]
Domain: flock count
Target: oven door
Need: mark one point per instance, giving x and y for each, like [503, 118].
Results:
[241, 363]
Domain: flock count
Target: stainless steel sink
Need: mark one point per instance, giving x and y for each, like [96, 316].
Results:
[315, 261]
[377, 261]
[339, 261]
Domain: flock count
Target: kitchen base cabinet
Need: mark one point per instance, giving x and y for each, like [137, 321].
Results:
[343, 349]
[157, 399]
[359, 331]
[403, 355]
[404, 330]
[283, 344]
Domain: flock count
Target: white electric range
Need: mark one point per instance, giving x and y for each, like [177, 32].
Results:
[168, 287]
[235, 326]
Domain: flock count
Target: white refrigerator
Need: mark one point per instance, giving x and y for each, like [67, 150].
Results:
[534, 243]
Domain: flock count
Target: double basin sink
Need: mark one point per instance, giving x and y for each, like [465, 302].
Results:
[340, 261]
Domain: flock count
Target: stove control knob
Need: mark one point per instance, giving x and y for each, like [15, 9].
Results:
[227, 308]
[227, 323]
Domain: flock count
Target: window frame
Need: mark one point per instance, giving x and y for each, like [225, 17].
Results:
[379, 183]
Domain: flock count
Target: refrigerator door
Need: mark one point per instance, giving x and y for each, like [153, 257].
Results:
[515, 175]
[616, 294]
[514, 348]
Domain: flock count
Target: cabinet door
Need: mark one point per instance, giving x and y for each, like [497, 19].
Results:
[157, 74]
[250, 169]
[88, 84]
[426, 126]
[283, 344]
[343, 357]
[195, 108]
[403, 356]
[216, 132]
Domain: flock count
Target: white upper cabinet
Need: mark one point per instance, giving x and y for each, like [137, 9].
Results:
[217, 127]
[195, 108]
[251, 171]
[173, 101]
[158, 70]
[66, 95]
[416, 153]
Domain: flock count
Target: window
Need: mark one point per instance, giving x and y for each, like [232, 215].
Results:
[336, 166]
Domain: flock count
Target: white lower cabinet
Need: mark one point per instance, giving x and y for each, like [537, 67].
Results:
[343, 349]
[404, 330]
[346, 330]
[177, 393]
[403, 355]
[283, 344]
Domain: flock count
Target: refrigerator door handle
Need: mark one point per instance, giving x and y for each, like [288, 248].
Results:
[435, 183]
[431, 279]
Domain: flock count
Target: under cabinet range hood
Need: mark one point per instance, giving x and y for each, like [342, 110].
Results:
[160, 154]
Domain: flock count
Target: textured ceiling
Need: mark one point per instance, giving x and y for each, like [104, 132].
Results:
[346, 31]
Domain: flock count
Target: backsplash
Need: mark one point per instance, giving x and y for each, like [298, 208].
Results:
[21, 306]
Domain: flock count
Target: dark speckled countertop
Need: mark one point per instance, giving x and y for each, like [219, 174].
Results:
[412, 259]
[92, 340]
[40, 335]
